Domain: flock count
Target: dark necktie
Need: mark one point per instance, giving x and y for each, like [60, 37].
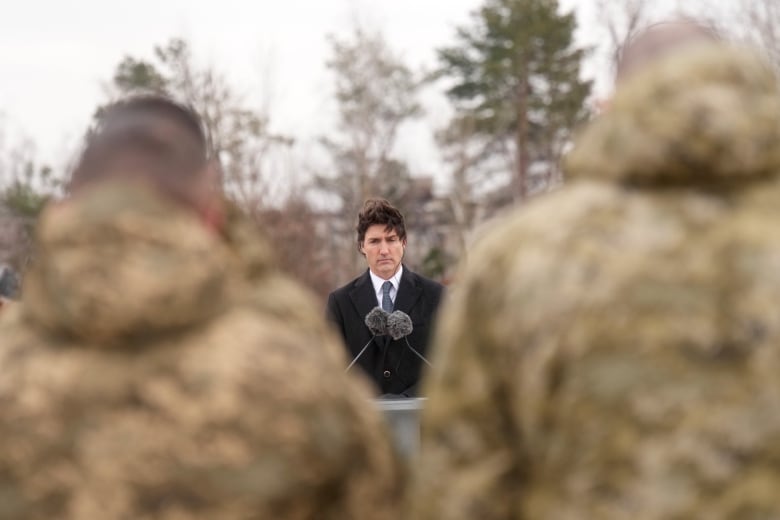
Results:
[387, 303]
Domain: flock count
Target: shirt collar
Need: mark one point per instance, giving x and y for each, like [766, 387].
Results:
[395, 279]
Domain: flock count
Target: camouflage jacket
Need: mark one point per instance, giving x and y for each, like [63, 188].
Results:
[272, 292]
[613, 349]
[136, 384]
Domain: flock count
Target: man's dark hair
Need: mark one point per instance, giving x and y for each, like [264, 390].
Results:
[148, 136]
[379, 211]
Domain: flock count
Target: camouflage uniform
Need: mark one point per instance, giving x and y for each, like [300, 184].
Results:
[270, 291]
[134, 386]
[613, 349]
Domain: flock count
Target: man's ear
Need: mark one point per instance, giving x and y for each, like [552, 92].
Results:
[208, 195]
[213, 175]
[602, 105]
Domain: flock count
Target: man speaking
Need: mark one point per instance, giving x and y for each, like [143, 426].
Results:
[394, 365]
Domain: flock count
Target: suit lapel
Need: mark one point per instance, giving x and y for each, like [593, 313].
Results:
[364, 300]
[363, 297]
[409, 292]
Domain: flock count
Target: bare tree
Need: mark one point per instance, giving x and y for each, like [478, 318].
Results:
[760, 20]
[25, 186]
[465, 152]
[14, 238]
[258, 173]
[621, 19]
[299, 245]
[238, 134]
[375, 94]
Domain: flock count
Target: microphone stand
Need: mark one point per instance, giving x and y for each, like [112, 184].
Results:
[360, 353]
[415, 351]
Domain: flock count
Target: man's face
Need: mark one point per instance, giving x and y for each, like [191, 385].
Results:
[384, 250]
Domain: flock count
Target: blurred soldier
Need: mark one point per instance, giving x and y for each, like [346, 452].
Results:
[139, 382]
[613, 350]
[270, 291]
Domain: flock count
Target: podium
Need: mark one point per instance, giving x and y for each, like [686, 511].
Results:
[403, 419]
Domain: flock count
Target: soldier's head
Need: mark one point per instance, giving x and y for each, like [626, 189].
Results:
[157, 141]
[381, 237]
[658, 40]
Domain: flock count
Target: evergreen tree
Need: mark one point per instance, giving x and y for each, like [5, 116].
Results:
[516, 75]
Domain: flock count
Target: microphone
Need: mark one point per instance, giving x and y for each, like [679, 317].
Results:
[399, 325]
[376, 321]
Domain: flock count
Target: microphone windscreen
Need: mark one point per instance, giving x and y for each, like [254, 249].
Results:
[376, 321]
[399, 324]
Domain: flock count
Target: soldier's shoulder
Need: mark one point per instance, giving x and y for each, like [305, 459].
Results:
[286, 358]
[18, 334]
[548, 221]
[278, 294]
[9, 311]
[283, 302]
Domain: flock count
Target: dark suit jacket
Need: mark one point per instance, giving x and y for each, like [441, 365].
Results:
[391, 365]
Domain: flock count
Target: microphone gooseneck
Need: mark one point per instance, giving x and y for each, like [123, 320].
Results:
[418, 354]
[376, 321]
[359, 354]
[399, 325]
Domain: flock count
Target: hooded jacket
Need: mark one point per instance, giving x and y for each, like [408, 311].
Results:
[136, 383]
[613, 349]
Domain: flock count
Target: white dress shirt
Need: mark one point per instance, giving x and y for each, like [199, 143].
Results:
[378, 282]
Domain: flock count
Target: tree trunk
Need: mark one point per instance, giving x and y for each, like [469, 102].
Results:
[522, 161]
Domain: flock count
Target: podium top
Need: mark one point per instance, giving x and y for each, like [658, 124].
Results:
[409, 404]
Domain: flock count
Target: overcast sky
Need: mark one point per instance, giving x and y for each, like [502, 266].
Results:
[56, 56]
